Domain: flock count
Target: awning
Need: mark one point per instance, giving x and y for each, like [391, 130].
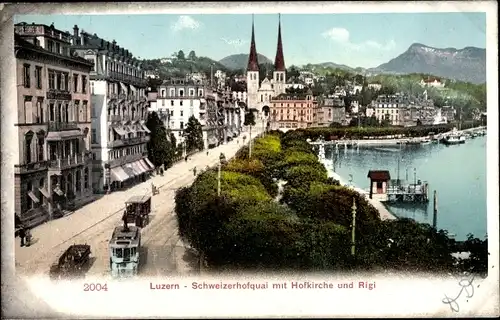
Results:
[212, 140]
[58, 191]
[44, 192]
[149, 163]
[146, 167]
[118, 174]
[137, 169]
[120, 131]
[145, 128]
[229, 132]
[33, 197]
[60, 135]
[130, 129]
[130, 172]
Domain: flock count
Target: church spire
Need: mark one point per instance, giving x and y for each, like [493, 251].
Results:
[253, 63]
[279, 61]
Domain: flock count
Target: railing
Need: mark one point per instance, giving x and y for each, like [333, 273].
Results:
[58, 94]
[25, 168]
[115, 118]
[62, 126]
[126, 78]
[60, 164]
[127, 159]
[128, 141]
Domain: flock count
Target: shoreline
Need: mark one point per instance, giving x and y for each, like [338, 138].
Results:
[384, 213]
[389, 141]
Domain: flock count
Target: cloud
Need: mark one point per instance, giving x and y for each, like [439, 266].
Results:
[235, 43]
[342, 37]
[185, 22]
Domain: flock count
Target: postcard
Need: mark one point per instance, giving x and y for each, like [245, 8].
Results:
[245, 159]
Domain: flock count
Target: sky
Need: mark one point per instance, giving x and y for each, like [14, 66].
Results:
[355, 39]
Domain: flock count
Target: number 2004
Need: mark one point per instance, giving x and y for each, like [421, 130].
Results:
[95, 287]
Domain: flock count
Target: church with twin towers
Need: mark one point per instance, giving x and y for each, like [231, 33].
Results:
[259, 94]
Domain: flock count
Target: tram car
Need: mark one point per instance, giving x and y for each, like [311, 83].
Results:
[137, 210]
[124, 250]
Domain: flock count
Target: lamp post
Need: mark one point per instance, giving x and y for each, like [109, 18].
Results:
[353, 247]
[221, 157]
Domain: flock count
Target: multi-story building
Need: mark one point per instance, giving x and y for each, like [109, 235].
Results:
[229, 115]
[53, 170]
[119, 133]
[329, 111]
[391, 108]
[184, 98]
[432, 82]
[448, 112]
[290, 111]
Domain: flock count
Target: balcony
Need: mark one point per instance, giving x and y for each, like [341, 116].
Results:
[58, 94]
[30, 167]
[68, 162]
[62, 126]
[115, 118]
[127, 159]
[128, 142]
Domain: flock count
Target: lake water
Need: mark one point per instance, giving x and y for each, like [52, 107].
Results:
[457, 172]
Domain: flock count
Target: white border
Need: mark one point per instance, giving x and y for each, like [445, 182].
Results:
[395, 295]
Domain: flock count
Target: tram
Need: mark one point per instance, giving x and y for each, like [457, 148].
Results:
[124, 250]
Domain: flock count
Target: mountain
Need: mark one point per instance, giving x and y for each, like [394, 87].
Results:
[333, 65]
[240, 61]
[467, 64]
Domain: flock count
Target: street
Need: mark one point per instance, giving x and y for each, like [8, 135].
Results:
[162, 251]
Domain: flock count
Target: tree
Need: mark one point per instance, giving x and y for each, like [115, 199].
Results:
[160, 149]
[192, 55]
[293, 72]
[194, 135]
[180, 55]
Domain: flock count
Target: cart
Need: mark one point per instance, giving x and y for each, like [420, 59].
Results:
[71, 262]
[137, 210]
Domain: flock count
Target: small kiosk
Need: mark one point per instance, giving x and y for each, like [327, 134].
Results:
[379, 180]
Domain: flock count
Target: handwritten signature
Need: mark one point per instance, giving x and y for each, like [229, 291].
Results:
[466, 284]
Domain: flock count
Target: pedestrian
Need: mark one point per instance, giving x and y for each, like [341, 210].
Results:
[238, 141]
[22, 235]
[186, 158]
[207, 153]
[194, 171]
[28, 237]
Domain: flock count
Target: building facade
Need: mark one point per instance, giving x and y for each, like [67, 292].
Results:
[330, 110]
[183, 98]
[391, 108]
[291, 111]
[259, 94]
[53, 170]
[118, 92]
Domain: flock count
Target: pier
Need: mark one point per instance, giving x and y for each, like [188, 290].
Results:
[400, 191]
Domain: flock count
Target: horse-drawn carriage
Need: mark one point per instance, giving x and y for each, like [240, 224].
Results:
[137, 210]
[71, 262]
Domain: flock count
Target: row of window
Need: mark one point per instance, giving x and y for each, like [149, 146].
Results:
[57, 80]
[34, 150]
[128, 111]
[294, 105]
[181, 103]
[308, 111]
[121, 68]
[121, 88]
[386, 111]
[127, 151]
[55, 111]
[294, 118]
[180, 92]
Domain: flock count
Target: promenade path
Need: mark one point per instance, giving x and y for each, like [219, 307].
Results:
[163, 252]
[377, 204]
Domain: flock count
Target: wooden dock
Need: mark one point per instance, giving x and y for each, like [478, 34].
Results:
[399, 191]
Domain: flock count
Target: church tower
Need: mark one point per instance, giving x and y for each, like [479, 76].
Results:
[252, 73]
[279, 74]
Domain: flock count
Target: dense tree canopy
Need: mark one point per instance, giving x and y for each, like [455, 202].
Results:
[194, 135]
[161, 150]
[248, 227]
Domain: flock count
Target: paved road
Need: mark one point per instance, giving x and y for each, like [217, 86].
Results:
[163, 252]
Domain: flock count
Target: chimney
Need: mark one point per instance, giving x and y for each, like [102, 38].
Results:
[82, 38]
[76, 40]
[113, 45]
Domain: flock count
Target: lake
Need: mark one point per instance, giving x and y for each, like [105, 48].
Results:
[457, 173]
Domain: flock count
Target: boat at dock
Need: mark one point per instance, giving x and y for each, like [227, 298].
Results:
[453, 139]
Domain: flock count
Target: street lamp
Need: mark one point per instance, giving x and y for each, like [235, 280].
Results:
[353, 247]
[221, 157]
